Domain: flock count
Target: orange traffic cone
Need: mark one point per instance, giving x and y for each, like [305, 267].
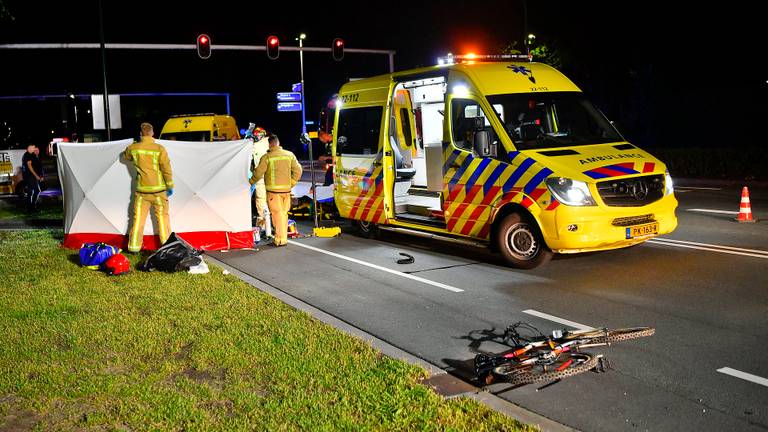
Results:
[745, 209]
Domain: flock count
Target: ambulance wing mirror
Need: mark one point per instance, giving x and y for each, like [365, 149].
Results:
[341, 142]
[481, 142]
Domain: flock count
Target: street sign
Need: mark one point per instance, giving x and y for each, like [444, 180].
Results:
[289, 97]
[296, 87]
[288, 106]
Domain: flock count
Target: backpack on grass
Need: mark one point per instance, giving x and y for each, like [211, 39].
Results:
[93, 255]
[174, 255]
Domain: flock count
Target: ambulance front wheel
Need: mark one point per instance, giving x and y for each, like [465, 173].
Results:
[366, 229]
[520, 242]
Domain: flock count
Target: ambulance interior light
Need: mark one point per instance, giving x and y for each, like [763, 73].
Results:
[460, 90]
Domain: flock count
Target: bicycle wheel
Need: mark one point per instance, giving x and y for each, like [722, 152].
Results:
[608, 336]
[566, 365]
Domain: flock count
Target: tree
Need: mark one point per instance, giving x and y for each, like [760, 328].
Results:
[5, 14]
[541, 51]
[547, 54]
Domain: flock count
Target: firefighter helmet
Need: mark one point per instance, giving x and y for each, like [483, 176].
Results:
[117, 264]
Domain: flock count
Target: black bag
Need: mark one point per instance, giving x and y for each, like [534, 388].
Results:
[174, 255]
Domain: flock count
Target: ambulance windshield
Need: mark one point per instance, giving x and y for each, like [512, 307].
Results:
[557, 119]
[187, 136]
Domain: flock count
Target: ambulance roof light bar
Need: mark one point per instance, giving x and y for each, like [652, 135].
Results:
[464, 58]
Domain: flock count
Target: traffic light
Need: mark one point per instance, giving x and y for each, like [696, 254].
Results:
[338, 49]
[273, 47]
[203, 46]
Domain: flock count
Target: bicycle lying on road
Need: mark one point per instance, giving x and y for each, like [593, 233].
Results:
[540, 358]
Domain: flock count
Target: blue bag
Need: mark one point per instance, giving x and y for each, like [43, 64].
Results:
[92, 255]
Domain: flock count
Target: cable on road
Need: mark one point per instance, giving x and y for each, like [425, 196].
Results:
[407, 260]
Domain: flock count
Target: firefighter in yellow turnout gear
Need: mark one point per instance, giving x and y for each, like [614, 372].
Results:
[281, 171]
[154, 184]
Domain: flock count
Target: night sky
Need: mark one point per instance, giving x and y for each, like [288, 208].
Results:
[670, 75]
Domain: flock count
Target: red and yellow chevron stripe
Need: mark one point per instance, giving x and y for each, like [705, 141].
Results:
[476, 188]
[369, 203]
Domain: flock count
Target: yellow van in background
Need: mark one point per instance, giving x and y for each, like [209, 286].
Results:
[200, 127]
[506, 153]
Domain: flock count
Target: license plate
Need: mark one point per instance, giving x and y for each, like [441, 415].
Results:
[643, 230]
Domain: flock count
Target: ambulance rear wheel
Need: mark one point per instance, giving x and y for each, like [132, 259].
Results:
[366, 229]
[520, 242]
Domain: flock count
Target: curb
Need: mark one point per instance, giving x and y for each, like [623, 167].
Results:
[488, 399]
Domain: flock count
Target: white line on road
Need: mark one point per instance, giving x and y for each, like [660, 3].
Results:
[759, 251]
[699, 188]
[686, 246]
[377, 267]
[728, 212]
[745, 376]
[553, 318]
[711, 248]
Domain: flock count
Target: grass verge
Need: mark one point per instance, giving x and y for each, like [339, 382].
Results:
[152, 351]
[13, 208]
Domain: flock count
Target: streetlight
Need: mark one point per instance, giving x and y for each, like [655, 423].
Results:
[528, 42]
[304, 136]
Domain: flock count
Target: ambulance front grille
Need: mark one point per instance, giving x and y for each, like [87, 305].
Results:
[632, 192]
[633, 220]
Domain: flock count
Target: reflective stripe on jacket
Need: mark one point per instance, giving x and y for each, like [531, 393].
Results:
[280, 170]
[152, 165]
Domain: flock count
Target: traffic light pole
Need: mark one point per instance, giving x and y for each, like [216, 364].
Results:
[304, 132]
[102, 46]
[182, 47]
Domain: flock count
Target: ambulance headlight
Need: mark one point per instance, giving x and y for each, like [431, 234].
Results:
[669, 187]
[570, 192]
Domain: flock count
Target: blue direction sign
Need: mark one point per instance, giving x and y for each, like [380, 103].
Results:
[296, 87]
[289, 97]
[288, 106]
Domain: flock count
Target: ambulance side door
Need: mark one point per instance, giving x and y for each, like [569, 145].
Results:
[358, 151]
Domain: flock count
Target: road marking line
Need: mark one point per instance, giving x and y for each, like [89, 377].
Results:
[745, 376]
[656, 241]
[758, 251]
[377, 267]
[728, 212]
[699, 188]
[559, 320]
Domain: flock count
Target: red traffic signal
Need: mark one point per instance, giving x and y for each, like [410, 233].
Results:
[273, 47]
[203, 46]
[338, 49]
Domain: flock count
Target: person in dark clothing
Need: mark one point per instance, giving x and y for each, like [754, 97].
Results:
[32, 172]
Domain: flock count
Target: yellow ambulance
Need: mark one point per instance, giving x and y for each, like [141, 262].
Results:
[200, 127]
[506, 153]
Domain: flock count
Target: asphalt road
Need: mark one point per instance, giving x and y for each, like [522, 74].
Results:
[708, 303]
